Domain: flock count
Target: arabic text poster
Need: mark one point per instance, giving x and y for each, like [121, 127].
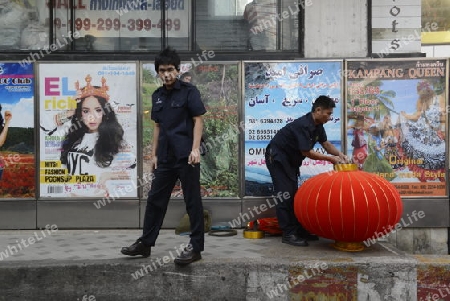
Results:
[396, 113]
[277, 93]
[88, 130]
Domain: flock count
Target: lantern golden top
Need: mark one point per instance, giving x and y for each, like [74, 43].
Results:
[346, 167]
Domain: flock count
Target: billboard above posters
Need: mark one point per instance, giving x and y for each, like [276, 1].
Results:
[132, 18]
[87, 116]
[396, 117]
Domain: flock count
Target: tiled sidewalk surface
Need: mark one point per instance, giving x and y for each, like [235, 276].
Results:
[236, 267]
[16, 245]
[66, 245]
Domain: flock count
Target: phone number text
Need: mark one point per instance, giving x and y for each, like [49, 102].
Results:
[116, 24]
[261, 134]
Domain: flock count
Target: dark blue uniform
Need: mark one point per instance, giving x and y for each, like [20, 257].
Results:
[173, 110]
[284, 158]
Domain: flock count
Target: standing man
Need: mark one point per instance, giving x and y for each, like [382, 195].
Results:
[284, 156]
[177, 111]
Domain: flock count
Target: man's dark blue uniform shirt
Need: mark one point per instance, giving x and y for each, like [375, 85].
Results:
[173, 110]
[297, 136]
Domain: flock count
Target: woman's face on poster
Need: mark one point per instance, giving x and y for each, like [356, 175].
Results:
[425, 90]
[91, 113]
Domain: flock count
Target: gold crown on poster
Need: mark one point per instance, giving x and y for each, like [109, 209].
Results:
[90, 90]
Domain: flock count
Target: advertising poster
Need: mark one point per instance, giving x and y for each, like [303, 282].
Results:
[218, 85]
[276, 94]
[396, 113]
[87, 140]
[17, 150]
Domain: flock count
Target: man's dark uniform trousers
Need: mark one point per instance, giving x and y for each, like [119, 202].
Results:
[283, 160]
[173, 110]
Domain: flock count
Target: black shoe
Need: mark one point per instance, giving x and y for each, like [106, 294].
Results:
[294, 240]
[138, 248]
[187, 257]
[308, 236]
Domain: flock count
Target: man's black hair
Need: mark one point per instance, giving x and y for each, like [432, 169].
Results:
[323, 102]
[167, 57]
[186, 74]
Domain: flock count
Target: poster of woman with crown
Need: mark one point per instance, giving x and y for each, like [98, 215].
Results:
[88, 130]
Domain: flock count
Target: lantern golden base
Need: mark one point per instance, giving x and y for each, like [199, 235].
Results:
[348, 246]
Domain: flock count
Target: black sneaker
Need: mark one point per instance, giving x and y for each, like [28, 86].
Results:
[138, 248]
[187, 257]
[294, 240]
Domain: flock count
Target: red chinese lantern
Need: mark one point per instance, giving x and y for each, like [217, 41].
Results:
[348, 205]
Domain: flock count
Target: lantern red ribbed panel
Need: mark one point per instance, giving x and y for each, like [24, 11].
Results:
[348, 206]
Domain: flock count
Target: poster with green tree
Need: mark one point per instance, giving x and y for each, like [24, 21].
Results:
[218, 85]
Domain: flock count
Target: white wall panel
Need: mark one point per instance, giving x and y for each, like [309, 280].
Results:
[389, 19]
[336, 28]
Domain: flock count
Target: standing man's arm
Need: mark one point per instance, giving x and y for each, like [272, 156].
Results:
[154, 163]
[194, 157]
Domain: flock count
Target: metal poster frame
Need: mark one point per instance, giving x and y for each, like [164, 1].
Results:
[114, 210]
[333, 85]
[116, 186]
[124, 212]
[222, 208]
[16, 164]
[219, 99]
[392, 132]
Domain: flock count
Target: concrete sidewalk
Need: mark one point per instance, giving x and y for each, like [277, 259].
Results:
[87, 265]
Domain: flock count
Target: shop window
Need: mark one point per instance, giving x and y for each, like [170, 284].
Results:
[435, 21]
[242, 25]
[132, 25]
[178, 21]
[126, 25]
[91, 26]
[142, 25]
[23, 25]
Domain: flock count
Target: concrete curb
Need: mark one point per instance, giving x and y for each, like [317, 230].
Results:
[402, 277]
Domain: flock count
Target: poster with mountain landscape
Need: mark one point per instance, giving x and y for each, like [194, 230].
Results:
[17, 150]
